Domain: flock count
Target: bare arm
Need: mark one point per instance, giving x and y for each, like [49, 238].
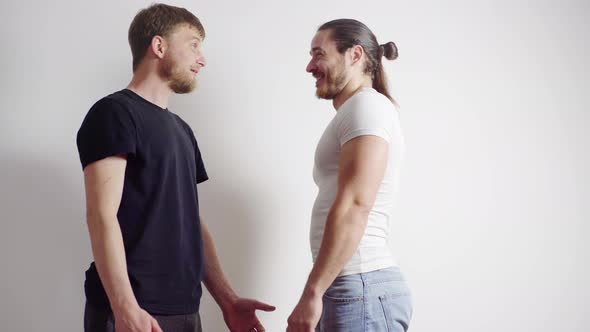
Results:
[239, 313]
[362, 166]
[104, 188]
[215, 280]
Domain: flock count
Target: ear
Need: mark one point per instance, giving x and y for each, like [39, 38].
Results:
[158, 46]
[356, 53]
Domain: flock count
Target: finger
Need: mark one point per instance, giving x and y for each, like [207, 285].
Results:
[155, 326]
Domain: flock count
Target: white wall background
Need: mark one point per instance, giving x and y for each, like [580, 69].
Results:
[493, 212]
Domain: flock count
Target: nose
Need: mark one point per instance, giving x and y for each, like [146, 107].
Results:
[202, 61]
[310, 66]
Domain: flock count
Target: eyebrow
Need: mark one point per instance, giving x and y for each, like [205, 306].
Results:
[317, 49]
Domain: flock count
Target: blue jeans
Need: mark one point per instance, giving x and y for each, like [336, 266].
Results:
[373, 301]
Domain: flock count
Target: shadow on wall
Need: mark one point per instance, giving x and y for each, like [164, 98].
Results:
[230, 204]
[44, 244]
[233, 219]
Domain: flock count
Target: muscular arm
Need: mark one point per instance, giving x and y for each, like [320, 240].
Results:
[362, 165]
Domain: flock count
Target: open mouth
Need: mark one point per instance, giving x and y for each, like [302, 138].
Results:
[319, 77]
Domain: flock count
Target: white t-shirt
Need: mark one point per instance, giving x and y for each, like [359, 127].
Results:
[365, 113]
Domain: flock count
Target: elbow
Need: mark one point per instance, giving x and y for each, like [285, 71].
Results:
[357, 211]
[361, 206]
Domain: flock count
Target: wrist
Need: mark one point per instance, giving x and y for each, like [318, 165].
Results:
[312, 292]
[227, 301]
[123, 306]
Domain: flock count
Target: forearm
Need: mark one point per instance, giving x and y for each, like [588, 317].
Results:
[344, 229]
[215, 280]
[109, 257]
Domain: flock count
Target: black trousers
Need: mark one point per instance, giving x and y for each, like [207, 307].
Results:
[99, 320]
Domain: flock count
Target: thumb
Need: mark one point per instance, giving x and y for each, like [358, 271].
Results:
[155, 326]
[263, 306]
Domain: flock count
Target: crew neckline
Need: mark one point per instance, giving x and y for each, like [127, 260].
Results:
[135, 96]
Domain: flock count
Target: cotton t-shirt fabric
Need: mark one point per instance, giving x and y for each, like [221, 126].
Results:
[159, 210]
[367, 112]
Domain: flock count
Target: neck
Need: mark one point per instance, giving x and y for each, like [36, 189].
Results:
[150, 86]
[352, 87]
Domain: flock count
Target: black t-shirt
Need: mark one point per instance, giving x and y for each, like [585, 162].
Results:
[159, 210]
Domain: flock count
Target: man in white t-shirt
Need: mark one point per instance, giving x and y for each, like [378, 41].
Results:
[355, 283]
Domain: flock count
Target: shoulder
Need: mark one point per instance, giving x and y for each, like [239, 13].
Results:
[368, 106]
[109, 113]
[115, 104]
[369, 100]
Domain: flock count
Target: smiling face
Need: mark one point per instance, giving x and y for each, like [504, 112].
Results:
[327, 66]
[183, 59]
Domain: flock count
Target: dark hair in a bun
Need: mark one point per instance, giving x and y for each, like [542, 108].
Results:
[389, 51]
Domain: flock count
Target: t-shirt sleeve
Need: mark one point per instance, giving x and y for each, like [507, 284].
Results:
[200, 165]
[201, 172]
[361, 120]
[107, 130]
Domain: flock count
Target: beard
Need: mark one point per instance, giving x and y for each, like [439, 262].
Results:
[178, 80]
[334, 82]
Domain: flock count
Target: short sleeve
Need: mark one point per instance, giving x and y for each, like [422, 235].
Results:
[364, 119]
[107, 130]
[201, 175]
[201, 172]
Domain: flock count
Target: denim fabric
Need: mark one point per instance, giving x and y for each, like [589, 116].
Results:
[367, 302]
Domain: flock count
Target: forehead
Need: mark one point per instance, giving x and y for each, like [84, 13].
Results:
[322, 41]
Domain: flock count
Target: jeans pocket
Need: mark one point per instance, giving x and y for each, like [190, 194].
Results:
[397, 309]
[342, 314]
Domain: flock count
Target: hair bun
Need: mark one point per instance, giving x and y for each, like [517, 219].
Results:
[389, 50]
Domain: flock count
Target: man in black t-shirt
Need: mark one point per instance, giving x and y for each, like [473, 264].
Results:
[141, 167]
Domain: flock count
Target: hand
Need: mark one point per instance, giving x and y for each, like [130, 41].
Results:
[306, 315]
[135, 320]
[241, 315]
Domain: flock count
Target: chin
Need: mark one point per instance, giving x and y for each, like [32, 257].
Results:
[323, 94]
[183, 88]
